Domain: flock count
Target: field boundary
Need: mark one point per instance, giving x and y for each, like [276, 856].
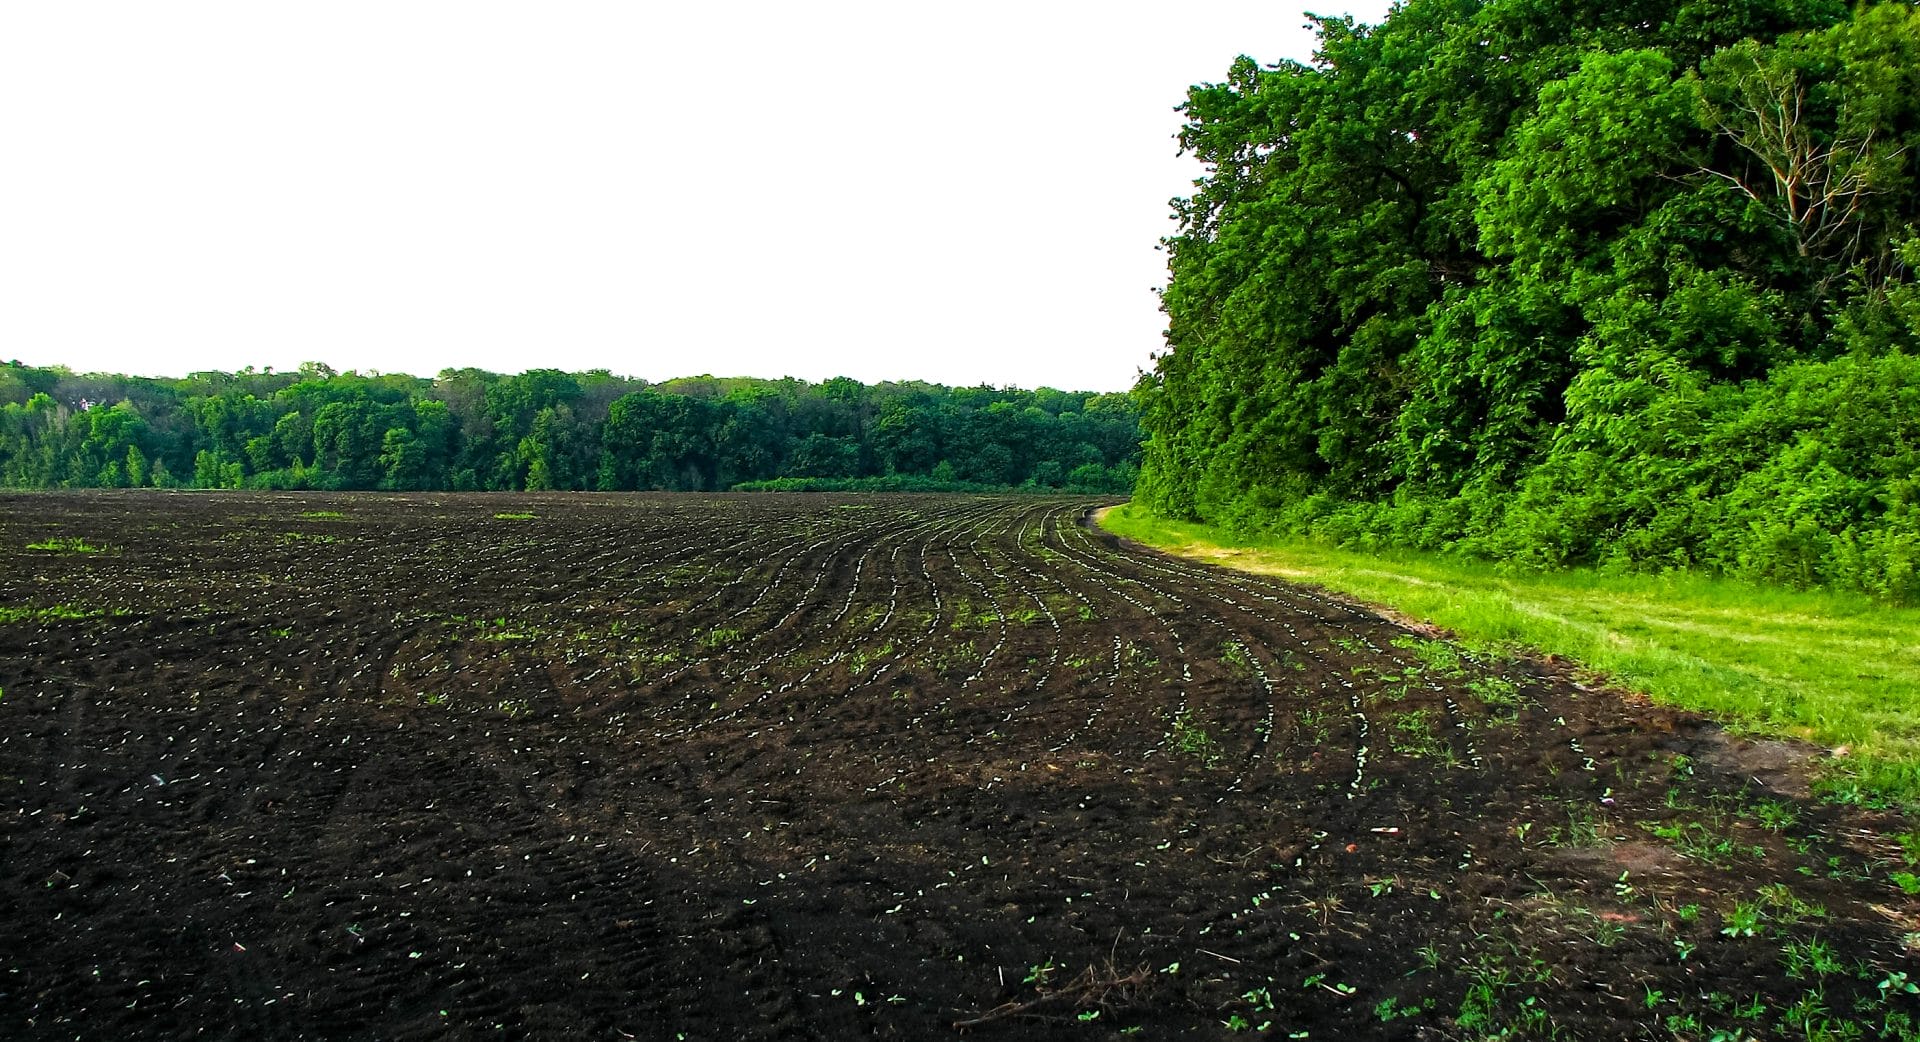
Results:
[1839, 671]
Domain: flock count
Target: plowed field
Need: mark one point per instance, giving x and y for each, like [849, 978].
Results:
[816, 767]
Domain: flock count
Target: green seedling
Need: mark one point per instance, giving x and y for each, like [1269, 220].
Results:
[1745, 920]
[1498, 694]
[56, 613]
[1193, 740]
[66, 545]
[1809, 958]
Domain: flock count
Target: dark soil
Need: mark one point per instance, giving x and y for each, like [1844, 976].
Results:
[769, 767]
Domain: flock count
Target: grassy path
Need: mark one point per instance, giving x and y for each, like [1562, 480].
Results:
[1838, 670]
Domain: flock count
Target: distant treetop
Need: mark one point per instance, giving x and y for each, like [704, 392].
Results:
[468, 429]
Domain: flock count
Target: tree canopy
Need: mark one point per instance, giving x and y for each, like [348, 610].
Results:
[1557, 282]
[545, 429]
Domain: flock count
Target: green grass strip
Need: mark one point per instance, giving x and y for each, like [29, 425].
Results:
[1835, 669]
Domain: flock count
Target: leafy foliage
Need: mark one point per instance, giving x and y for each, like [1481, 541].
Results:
[545, 429]
[1554, 283]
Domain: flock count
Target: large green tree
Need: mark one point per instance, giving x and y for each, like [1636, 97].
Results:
[1554, 282]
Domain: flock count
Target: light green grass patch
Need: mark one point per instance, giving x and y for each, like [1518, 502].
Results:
[523, 515]
[66, 544]
[55, 613]
[1837, 669]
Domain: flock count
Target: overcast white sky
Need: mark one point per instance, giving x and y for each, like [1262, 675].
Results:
[964, 193]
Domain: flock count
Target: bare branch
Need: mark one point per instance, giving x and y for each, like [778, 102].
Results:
[1819, 194]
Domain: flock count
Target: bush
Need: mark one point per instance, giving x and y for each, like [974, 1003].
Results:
[1804, 479]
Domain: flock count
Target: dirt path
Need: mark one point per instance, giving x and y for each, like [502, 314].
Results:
[770, 767]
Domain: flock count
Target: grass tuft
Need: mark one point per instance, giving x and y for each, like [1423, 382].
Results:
[66, 545]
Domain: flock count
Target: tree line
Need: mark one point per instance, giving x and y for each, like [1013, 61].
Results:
[1557, 282]
[545, 429]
